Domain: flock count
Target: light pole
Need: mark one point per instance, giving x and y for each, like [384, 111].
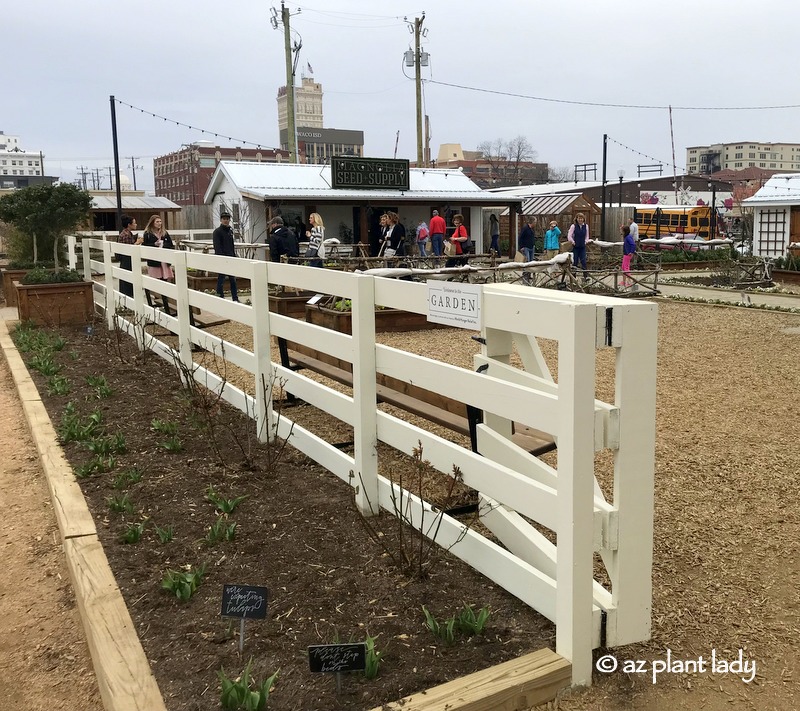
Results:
[713, 223]
[621, 174]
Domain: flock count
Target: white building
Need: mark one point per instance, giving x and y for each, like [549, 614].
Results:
[18, 167]
[776, 215]
[744, 154]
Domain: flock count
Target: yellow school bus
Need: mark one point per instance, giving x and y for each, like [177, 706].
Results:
[677, 220]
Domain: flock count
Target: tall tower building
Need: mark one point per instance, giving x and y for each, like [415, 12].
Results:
[308, 105]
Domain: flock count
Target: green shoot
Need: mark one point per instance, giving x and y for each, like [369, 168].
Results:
[183, 585]
[133, 533]
[226, 506]
[237, 694]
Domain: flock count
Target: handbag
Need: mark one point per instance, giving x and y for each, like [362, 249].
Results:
[389, 252]
[450, 249]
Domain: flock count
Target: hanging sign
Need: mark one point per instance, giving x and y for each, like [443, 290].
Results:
[353, 173]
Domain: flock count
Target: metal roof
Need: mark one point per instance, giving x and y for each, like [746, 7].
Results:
[780, 189]
[133, 202]
[552, 204]
[299, 181]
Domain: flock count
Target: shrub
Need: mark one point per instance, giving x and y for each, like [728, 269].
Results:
[48, 276]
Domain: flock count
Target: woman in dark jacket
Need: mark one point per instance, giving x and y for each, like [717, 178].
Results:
[397, 236]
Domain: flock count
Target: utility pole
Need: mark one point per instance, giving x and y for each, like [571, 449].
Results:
[83, 173]
[291, 128]
[417, 31]
[133, 168]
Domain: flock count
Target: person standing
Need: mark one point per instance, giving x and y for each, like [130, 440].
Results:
[628, 250]
[156, 236]
[578, 235]
[127, 237]
[551, 240]
[634, 230]
[494, 232]
[423, 235]
[526, 238]
[224, 246]
[282, 241]
[438, 229]
[396, 234]
[459, 238]
[316, 238]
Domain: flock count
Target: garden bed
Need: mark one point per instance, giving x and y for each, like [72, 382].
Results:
[297, 533]
[386, 320]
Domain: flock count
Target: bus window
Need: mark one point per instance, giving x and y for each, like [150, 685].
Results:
[704, 222]
[694, 222]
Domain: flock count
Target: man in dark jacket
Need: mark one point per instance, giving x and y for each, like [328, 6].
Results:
[526, 240]
[282, 240]
[224, 246]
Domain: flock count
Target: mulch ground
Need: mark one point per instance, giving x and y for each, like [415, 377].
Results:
[298, 533]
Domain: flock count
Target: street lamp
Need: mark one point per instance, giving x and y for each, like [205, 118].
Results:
[621, 174]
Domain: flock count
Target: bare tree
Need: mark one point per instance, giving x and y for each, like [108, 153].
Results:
[560, 174]
[509, 160]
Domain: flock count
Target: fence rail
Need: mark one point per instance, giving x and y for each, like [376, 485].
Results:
[515, 487]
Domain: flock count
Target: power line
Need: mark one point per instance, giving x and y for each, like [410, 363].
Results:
[609, 105]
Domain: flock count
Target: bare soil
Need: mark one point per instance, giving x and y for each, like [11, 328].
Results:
[43, 654]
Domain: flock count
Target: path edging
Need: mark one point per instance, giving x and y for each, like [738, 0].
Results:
[123, 673]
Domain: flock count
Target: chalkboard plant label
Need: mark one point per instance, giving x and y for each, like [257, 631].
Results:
[244, 601]
[337, 657]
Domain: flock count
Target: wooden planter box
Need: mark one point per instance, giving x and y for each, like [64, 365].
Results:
[289, 303]
[55, 304]
[206, 283]
[9, 277]
[786, 276]
[386, 320]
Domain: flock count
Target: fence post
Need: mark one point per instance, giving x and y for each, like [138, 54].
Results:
[72, 259]
[109, 281]
[634, 465]
[365, 430]
[86, 254]
[574, 568]
[138, 298]
[264, 374]
[184, 309]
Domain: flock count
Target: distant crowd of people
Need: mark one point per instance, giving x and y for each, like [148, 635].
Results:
[389, 239]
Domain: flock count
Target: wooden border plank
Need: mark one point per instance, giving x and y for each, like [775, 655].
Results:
[123, 672]
[515, 685]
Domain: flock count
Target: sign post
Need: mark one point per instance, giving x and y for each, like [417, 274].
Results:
[244, 601]
[337, 658]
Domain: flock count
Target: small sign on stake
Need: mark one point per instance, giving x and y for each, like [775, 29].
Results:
[338, 658]
[244, 602]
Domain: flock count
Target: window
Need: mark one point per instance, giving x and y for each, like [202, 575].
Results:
[738, 155]
[737, 165]
[773, 165]
[762, 156]
[751, 155]
[771, 232]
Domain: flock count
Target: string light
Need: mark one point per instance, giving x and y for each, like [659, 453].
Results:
[207, 131]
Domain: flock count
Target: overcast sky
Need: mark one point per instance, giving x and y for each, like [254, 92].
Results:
[218, 65]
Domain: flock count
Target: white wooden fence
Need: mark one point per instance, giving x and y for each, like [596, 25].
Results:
[557, 580]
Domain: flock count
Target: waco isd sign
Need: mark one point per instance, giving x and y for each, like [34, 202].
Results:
[369, 173]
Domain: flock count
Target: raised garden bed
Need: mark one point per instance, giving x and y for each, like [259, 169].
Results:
[9, 277]
[786, 276]
[297, 533]
[290, 303]
[209, 283]
[386, 320]
[55, 304]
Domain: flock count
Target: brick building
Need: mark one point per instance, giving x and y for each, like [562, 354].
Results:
[183, 176]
